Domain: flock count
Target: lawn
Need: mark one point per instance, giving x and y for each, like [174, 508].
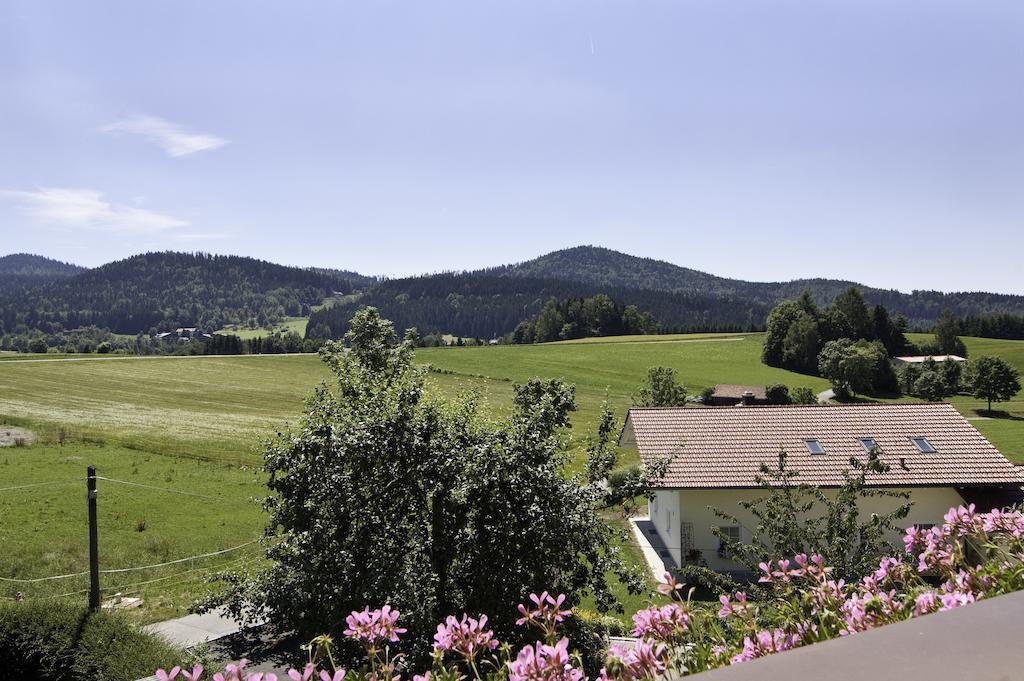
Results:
[193, 424]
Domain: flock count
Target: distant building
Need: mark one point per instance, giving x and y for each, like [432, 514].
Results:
[184, 334]
[715, 455]
[727, 395]
[921, 359]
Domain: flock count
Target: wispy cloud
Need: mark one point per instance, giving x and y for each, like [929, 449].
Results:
[174, 139]
[87, 209]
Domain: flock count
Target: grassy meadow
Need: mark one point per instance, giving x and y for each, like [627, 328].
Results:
[193, 424]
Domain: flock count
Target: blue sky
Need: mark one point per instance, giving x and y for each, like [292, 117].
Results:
[877, 141]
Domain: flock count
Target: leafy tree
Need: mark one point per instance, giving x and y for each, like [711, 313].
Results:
[992, 379]
[801, 345]
[384, 495]
[908, 375]
[930, 386]
[952, 372]
[660, 389]
[850, 304]
[38, 346]
[780, 319]
[778, 393]
[804, 395]
[602, 448]
[946, 340]
[846, 366]
[103, 348]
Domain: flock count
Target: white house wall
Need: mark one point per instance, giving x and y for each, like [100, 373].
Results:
[671, 508]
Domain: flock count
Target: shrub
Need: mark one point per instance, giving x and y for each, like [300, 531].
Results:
[778, 393]
[804, 395]
[59, 641]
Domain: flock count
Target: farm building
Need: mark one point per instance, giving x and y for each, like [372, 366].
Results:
[728, 395]
[715, 455]
[921, 359]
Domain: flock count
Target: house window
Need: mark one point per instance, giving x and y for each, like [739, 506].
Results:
[868, 443]
[814, 447]
[923, 445]
[685, 539]
[729, 534]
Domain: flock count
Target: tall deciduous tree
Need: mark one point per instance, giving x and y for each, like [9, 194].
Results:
[385, 495]
[660, 389]
[992, 379]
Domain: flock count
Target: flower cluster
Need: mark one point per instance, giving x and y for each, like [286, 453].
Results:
[546, 613]
[467, 637]
[969, 557]
[542, 662]
[370, 626]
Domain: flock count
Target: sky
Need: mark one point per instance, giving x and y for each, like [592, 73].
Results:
[878, 141]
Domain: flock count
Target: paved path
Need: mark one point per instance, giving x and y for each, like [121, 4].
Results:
[192, 630]
[826, 395]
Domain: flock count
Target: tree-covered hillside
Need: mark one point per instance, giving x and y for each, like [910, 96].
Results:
[165, 290]
[28, 265]
[485, 305]
[492, 302]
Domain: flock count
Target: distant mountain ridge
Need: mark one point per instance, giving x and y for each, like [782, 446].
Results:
[165, 290]
[490, 302]
[29, 265]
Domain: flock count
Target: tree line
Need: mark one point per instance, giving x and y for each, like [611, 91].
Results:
[584, 318]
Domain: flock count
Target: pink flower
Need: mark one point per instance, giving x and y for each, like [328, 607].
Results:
[304, 675]
[925, 603]
[194, 675]
[467, 637]
[167, 676]
[668, 584]
[546, 613]
[369, 626]
[339, 675]
[739, 608]
[767, 576]
[667, 623]
[765, 643]
[541, 662]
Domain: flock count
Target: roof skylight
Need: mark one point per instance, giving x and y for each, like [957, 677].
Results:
[813, 446]
[923, 445]
[868, 443]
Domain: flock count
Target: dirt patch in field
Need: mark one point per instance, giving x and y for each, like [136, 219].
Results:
[15, 437]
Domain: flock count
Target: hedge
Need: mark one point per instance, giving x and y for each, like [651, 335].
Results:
[58, 641]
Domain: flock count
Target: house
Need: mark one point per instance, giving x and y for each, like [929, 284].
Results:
[921, 359]
[184, 335]
[715, 455]
[727, 395]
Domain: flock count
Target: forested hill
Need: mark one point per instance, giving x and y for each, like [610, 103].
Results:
[165, 290]
[491, 302]
[28, 265]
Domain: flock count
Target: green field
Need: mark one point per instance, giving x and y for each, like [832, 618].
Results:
[296, 324]
[193, 424]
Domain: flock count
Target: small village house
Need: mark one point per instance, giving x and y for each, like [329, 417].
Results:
[727, 394]
[715, 455]
[921, 359]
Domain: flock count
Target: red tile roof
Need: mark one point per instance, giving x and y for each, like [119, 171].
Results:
[724, 446]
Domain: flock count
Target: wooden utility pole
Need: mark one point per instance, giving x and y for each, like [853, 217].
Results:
[94, 542]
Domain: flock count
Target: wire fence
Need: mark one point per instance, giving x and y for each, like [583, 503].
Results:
[46, 587]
